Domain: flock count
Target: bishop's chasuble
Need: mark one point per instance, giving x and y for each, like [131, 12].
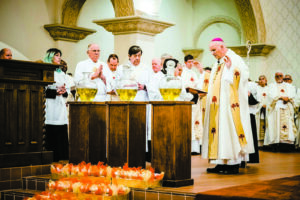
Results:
[227, 135]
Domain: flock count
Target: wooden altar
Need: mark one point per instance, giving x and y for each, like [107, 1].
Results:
[112, 132]
[22, 112]
[171, 141]
[87, 132]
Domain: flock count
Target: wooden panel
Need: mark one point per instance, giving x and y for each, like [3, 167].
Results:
[137, 136]
[10, 132]
[127, 133]
[34, 102]
[79, 133]
[2, 118]
[182, 137]
[162, 140]
[97, 132]
[26, 122]
[87, 136]
[117, 135]
[35, 107]
[22, 119]
[24, 73]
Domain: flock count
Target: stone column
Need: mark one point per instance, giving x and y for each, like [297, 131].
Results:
[134, 30]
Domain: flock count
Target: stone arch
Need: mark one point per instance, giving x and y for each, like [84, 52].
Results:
[252, 20]
[70, 11]
[123, 8]
[214, 20]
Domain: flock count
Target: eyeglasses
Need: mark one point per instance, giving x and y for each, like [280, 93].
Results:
[287, 79]
[278, 76]
[95, 50]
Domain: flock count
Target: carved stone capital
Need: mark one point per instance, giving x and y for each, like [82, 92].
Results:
[133, 24]
[256, 49]
[194, 52]
[67, 33]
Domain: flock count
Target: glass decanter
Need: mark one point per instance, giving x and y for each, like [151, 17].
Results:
[170, 86]
[86, 89]
[126, 87]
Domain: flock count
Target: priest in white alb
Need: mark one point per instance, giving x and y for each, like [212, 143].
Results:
[281, 127]
[97, 68]
[191, 80]
[261, 114]
[140, 73]
[155, 76]
[111, 84]
[227, 139]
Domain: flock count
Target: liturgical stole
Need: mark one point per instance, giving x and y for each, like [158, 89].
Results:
[213, 139]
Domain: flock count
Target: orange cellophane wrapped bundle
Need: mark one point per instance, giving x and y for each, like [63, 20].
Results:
[88, 185]
[60, 195]
[56, 171]
[131, 177]
[80, 170]
[136, 177]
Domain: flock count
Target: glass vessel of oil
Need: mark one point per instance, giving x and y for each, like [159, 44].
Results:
[170, 86]
[126, 86]
[86, 88]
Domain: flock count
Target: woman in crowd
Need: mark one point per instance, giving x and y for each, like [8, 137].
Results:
[56, 139]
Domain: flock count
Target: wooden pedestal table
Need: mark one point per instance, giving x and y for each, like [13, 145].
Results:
[87, 132]
[171, 141]
[126, 133]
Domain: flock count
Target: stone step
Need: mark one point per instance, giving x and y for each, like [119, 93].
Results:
[38, 183]
[135, 194]
[16, 194]
[11, 178]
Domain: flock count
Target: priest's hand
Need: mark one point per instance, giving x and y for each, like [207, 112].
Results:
[97, 73]
[227, 62]
[61, 90]
[198, 65]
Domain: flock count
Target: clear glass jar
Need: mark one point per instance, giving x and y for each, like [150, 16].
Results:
[126, 87]
[86, 89]
[170, 86]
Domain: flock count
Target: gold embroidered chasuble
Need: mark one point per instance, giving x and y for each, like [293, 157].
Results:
[213, 139]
